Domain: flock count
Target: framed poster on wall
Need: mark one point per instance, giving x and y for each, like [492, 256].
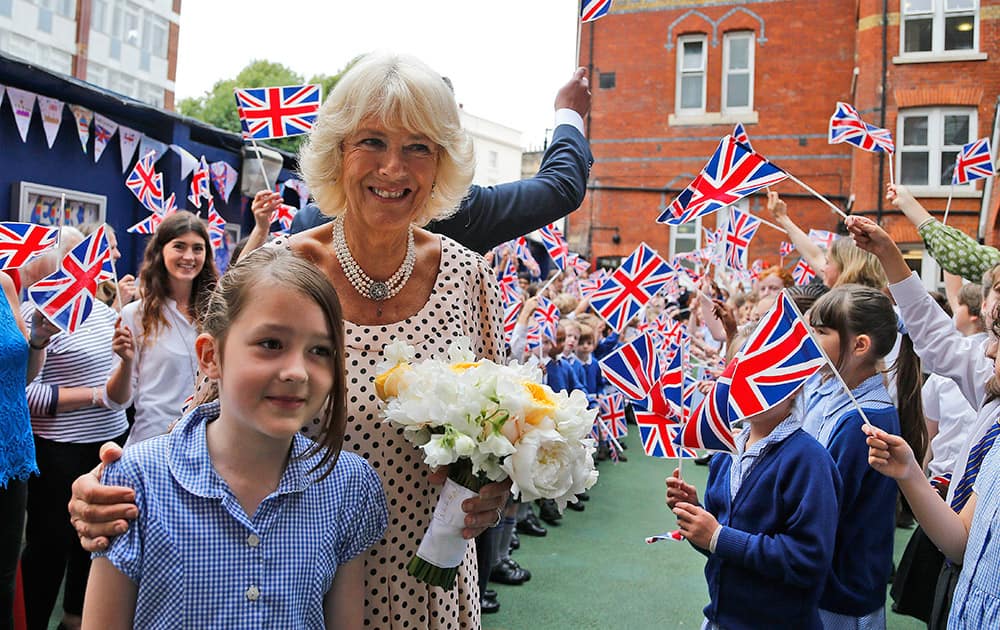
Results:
[40, 203]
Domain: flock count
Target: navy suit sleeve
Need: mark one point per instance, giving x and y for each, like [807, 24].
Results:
[495, 214]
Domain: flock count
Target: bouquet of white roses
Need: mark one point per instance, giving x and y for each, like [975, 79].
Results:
[487, 422]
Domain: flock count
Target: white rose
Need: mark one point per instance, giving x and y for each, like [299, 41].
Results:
[548, 466]
[572, 417]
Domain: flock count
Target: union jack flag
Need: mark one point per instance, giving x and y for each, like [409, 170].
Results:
[633, 367]
[589, 285]
[591, 10]
[973, 162]
[612, 412]
[775, 361]
[740, 135]
[284, 214]
[200, 182]
[216, 226]
[277, 112]
[547, 316]
[785, 249]
[658, 422]
[630, 287]
[846, 125]
[509, 289]
[741, 228]
[153, 221]
[146, 184]
[579, 266]
[510, 313]
[20, 242]
[533, 337]
[66, 296]
[672, 381]
[802, 273]
[822, 238]
[732, 173]
[523, 253]
[708, 426]
[675, 536]
[554, 242]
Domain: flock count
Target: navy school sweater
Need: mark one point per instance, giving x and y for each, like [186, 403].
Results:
[773, 554]
[862, 559]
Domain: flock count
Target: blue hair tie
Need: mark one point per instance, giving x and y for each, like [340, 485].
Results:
[901, 327]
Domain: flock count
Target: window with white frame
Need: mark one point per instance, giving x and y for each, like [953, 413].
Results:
[692, 54]
[939, 26]
[685, 238]
[930, 139]
[737, 72]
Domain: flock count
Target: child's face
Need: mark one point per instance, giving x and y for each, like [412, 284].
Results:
[275, 375]
[572, 339]
[557, 347]
[770, 286]
[584, 347]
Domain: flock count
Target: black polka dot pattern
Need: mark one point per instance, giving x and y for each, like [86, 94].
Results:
[464, 302]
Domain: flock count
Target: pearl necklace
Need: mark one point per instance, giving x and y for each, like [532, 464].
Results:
[374, 290]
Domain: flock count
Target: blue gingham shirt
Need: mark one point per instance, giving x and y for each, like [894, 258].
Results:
[200, 562]
[744, 459]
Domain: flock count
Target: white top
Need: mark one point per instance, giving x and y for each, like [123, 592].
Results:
[945, 351]
[163, 373]
[944, 404]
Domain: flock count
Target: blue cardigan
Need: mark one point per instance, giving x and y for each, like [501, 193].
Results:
[862, 559]
[777, 540]
[560, 376]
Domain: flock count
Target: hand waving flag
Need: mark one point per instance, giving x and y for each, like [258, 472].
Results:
[20, 242]
[66, 296]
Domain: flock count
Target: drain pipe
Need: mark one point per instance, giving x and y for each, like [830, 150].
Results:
[882, 156]
[984, 210]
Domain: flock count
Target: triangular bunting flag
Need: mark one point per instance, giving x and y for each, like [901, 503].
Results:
[22, 103]
[147, 144]
[83, 117]
[128, 140]
[52, 115]
[104, 129]
[188, 161]
[224, 178]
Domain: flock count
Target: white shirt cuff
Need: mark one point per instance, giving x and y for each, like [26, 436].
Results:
[715, 539]
[567, 116]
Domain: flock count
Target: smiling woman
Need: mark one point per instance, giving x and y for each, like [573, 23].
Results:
[155, 338]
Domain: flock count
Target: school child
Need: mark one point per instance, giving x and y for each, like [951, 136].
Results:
[856, 327]
[768, 524]
[966, 538]
[243, 521]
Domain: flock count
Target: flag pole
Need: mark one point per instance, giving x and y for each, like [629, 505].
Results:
[771, 225]
[550, 281]
[579, 30]
[816, 194]
[892, 180]
[62, 210]
[118, 294]
[947, 206]
[260, 161]
[833, 368]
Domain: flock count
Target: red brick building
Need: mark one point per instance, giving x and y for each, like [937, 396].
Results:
[671, 77]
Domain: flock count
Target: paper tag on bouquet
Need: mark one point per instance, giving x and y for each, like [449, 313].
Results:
[443, 545]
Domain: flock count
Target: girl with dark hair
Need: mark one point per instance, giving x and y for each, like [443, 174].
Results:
[155, 337]
[223, 497]
[857, 327]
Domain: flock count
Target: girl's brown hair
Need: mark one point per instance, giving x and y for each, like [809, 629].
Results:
[154, 282]
[854, 309]
[279, 267]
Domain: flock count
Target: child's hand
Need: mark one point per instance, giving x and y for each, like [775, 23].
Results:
[697, 524]
[679, 491]
[890, 454]
[777, 207]
[869, 236]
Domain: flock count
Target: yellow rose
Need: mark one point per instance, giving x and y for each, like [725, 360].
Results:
[461, 367]
[541, 406]
[389, 383]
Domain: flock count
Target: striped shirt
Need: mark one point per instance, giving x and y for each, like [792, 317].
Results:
[83, 359]
[200, 561]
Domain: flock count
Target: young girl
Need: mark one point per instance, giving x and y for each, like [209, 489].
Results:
[157, 332]
[768, 524]
[857, 327]
[244, 522]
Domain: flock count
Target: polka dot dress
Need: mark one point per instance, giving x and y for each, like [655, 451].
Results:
[464, 302]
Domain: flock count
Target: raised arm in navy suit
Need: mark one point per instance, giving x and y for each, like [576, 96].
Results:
[492, 215]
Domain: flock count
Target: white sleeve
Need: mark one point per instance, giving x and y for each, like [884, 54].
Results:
[942, 349]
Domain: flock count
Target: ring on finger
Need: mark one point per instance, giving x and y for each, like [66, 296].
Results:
[499, 518]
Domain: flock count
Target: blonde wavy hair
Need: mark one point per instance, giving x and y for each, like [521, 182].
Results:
[856, 265]
[402, 93]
